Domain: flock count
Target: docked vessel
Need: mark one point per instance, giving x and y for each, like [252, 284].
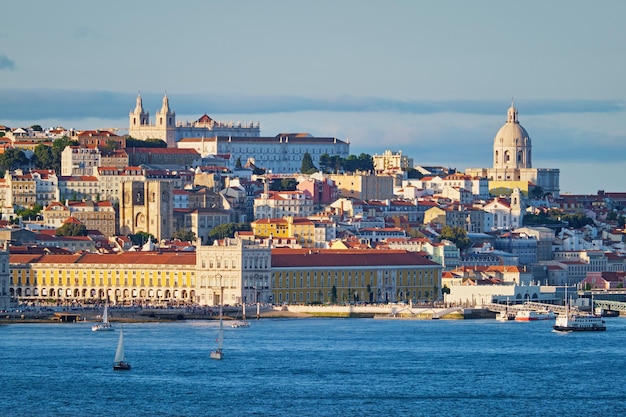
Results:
[532, 315]
[505, 315]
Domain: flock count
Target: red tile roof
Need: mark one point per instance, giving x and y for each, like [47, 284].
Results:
[302, 258]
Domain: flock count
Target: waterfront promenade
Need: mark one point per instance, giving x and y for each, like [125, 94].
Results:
[136, 314]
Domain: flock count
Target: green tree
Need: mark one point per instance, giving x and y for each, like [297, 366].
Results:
[148, 143]
[412, 173]
[288, 184]
[258, 171]
[57, 149]
[110, 146]
[456, 235]
[36, 128]
[12, 159]
[184, 235]
[140, 238]
[537, 192]
[307, 164]
[42, 157]
[326, 163]
[577, 220]
[353, 163]
[71, 229]
[30, 213]
[227, 230]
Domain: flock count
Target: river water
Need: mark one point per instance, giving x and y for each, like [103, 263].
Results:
[315, 367]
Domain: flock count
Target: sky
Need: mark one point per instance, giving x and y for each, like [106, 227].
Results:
[433, 79]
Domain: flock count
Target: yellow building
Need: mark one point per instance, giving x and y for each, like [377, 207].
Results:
[21, 188]
[304, 276]
[435, 215]
[506, 187]
[300, 228]
[231, 271]
[126, 278]
[364, 186]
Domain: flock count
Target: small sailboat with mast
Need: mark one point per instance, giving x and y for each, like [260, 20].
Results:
[105, 325]
[218, 353]
[120, 363]
[243, 322]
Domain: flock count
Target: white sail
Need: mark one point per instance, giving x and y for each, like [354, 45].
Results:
[220, 336]
[105, 314]
[104, 325]
[119, 353]
[217, 353]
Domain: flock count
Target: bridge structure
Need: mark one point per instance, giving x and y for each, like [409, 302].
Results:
[610, 305]
[528, 305]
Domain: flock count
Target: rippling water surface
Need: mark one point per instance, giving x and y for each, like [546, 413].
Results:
[315, 367]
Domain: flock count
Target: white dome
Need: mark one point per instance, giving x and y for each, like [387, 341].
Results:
[512, 134]
[511, 146]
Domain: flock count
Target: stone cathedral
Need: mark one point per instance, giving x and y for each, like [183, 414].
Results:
[512, 161]
[166, 128]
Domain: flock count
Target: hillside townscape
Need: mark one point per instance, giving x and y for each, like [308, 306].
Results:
[208, 212]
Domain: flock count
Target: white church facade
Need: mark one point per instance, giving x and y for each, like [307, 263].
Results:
[166, 128]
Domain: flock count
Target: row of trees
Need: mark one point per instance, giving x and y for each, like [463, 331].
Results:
[49, 157]
[218, 232]
[330, 164]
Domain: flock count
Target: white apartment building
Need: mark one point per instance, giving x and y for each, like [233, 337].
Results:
[76, 160]
[46, 186]
[110, 180]
[78, 188]
[277, 204]
[282, 153]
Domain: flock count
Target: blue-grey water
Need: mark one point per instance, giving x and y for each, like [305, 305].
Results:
[315, 367]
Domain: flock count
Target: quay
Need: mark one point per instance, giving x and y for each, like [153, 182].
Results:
[264, 311]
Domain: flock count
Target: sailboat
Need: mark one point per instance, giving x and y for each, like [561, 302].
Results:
[119, 363]
[218, 353]
[243, 322]
[105, 325]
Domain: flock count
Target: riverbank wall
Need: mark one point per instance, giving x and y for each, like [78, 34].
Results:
[123, 315]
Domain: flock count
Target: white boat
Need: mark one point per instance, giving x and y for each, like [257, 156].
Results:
[218, 353]
[505, 315]
[119, 363]
[579, 322]
[243, 322]
[104, 325]
[533, 315]
[575, 321]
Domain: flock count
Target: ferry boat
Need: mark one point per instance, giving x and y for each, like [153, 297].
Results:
[577, 322]
[532, 315]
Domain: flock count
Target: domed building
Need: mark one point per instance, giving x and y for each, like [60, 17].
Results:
[512, 162]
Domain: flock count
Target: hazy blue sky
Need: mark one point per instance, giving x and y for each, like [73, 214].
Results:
[431, 78]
